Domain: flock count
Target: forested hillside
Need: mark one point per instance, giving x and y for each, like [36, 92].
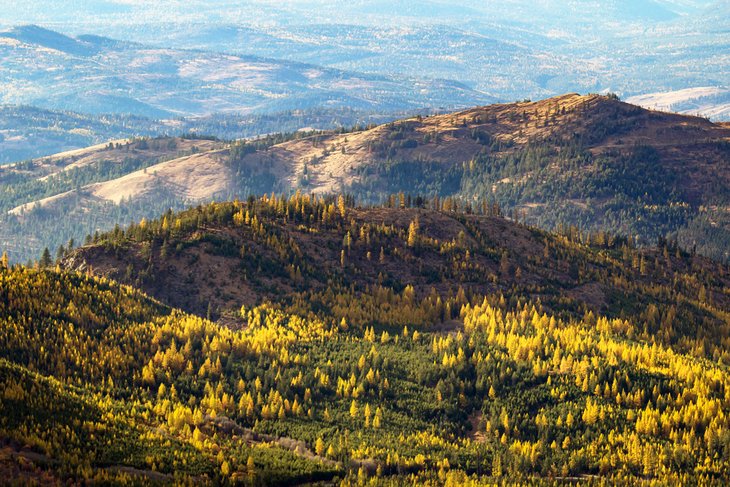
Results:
[212, 259]
[318, 244]
[400, 353]
[588, 161]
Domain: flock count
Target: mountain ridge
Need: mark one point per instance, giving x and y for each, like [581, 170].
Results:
[506, 130]
[34, 34]
[588, 160]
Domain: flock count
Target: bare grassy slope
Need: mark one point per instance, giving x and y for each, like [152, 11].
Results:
[183, 163]
[328, 163]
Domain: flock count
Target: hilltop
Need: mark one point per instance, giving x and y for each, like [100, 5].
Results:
[591, 161]
[215, 258]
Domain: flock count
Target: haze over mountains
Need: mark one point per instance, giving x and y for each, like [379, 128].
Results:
[98, 75]
[186, 59]
[511, 50]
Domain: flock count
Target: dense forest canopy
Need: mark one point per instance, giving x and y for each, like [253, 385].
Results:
[478, 370]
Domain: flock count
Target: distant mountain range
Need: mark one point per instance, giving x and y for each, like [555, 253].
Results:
[95, 75]
[512, 50]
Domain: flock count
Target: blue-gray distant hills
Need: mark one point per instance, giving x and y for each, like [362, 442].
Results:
[92, 74]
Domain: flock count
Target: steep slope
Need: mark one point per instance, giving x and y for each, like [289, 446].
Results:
[114, 151]
[44, 204]
[107, 161]
[71, 381]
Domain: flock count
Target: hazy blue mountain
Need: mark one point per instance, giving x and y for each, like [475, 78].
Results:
[96, 75]
[38, 36]
[511, 49]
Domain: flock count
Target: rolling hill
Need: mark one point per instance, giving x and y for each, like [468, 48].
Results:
[392, 345]
[29, 132]
[212, 259]
[590, 161]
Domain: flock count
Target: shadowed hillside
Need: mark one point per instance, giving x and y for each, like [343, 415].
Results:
[215, 258]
